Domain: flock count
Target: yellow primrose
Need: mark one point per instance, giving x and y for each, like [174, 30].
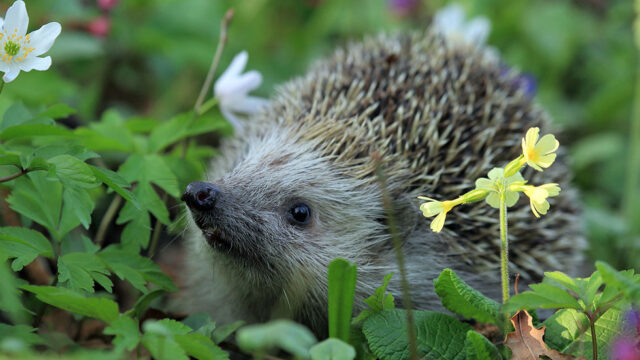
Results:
[539, 154]
[440, 208]
[538, 196]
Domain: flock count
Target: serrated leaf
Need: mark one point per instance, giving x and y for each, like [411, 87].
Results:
[544, 296]
[378, 302]
[73, 171]
[478, 347]
[332, 349]
[31, 130]
[223, 332]
[127, 334]
[462, 299]
[143, 303]
[24, 333]
[568, 331]
[80, 204]
[342, 287]
[75, 302]
[10, 296]
[135, 269]
[38, 198]
[80, 270]
[201, 323]
[116, 182]
[179, 127]
[564, 280]
[439, 336]
[200, 347]
[283, 334]
[150, 168]
[24, 245]
[109, 134]
[623, 281]
[151, 201]
[136, 233]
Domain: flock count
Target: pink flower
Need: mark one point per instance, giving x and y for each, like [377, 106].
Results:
[107, 5]
[99, 26]
[625, 349]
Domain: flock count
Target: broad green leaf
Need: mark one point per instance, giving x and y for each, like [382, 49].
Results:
[75, 302]
[564, 280]
[462, 299]
[135, 268]
[200, 347]
[73, 172]
[116, 182]
[283, 334]
[10, 299]
[79, 203]
[439, 336]
[201, 323]
[479, 347]
[10, 159]
[57, 111]
[80, 270]
[23, 333]
[24, 245]
[568, 331]
[62, 148]
[16, 114]
[151, 201]
[626, 282]
[543, 296]
[179, 127]
[31, 130]
[342, 287]
[126, 331]
[162, 347]
[136, 233]
[38, 198]
[332, 349]
[109, 134]
[223, 332]
[150, 168]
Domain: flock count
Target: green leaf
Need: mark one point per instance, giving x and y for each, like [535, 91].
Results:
[16, 114]
[200, 347]
[543, 296]
[568, 331]
[73, 172]
[480, 348]
[378, 302]
[24, 245]
[223, 332]
[80, 270]
[116, 182]
[79, 203]
[143, 303]
[439, 336]
[179, 127]
[126, 331]
[284, 334]
[201, 323]
[150, 168]
[159, 339]
[10, 296]
[110, 134]
[75, 302]
[10, 159]
[135, 268]
[23, 333]
[151, 201]
[57, 111]
[332, 349]
[31, 130]
[38, 198]
[342, 287]
[462, 299]
[564, 280]
[623, 281]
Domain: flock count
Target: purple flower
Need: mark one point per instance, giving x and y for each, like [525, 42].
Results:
[625, 349]
[402, 7]
[527, 83]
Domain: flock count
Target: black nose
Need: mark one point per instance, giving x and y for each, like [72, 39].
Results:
[200, 195]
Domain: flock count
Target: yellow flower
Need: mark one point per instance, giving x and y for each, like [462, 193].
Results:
[440, 208]
[539, 154]
[538, 196]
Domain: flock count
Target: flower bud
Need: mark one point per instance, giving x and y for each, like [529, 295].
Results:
[474, 195]
[514, 166]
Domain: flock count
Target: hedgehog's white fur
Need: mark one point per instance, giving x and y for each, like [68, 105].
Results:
[440, 116]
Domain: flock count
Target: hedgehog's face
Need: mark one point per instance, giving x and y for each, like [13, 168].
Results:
[281, 208]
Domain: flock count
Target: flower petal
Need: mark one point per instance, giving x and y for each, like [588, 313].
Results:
[534, 165]
[512, 198]
[546, 160]
[553, 189]
[35, 63]
[438, 223]
[477, 31]
[493, 199]
[11, 74]
[486, 184]
[531, 138]
[496, 173]
[238, 85]
[1, 22]
[43, 38]
[431, 208]
[248, 105]
[235, 121]
[16, 19]
[449, 19]
[235, 68]
[547, 144]
[533, 208]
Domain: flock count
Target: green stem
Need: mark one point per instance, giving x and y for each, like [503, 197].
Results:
[207, 106]
[504, 246]
[14, 176]
[632, 194]
[106, 219]
[594, 342]
[1, 85]
[157, 229]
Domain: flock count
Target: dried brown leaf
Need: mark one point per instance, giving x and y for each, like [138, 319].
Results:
[526, 341]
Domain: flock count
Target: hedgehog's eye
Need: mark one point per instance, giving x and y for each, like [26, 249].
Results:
[299, 214]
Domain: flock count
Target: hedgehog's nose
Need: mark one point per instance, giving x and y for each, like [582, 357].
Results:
[200, 195]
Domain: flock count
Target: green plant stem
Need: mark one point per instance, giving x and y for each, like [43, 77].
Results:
[13, 176]
[594, 342]
[1, 85]
[632, 193]
[157, 229]
[397, 246]
[106, 219]
[504, 247]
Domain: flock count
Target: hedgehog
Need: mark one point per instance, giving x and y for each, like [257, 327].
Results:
[298, 188]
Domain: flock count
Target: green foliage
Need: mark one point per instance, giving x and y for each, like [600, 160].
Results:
[332, 349]
[283, 334]
[342, 287]
[24, 245]
[127, 334]
[381, 300]
[70, 300]
[169, 339]
[479, 347]
[462, 299]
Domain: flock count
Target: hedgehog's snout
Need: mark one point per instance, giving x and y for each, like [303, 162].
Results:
[201, 196]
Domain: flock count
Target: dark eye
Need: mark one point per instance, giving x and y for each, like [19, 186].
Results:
[299, 214]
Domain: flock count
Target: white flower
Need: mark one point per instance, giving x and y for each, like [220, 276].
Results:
[232, 89]
[450, 22]
[18, 50]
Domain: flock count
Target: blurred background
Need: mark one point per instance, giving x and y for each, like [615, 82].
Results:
[149, 58]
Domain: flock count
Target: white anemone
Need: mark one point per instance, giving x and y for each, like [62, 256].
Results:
[232, 90]
[19, 51]
[450, 22]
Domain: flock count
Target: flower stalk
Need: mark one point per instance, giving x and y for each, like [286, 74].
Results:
[504, 247]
